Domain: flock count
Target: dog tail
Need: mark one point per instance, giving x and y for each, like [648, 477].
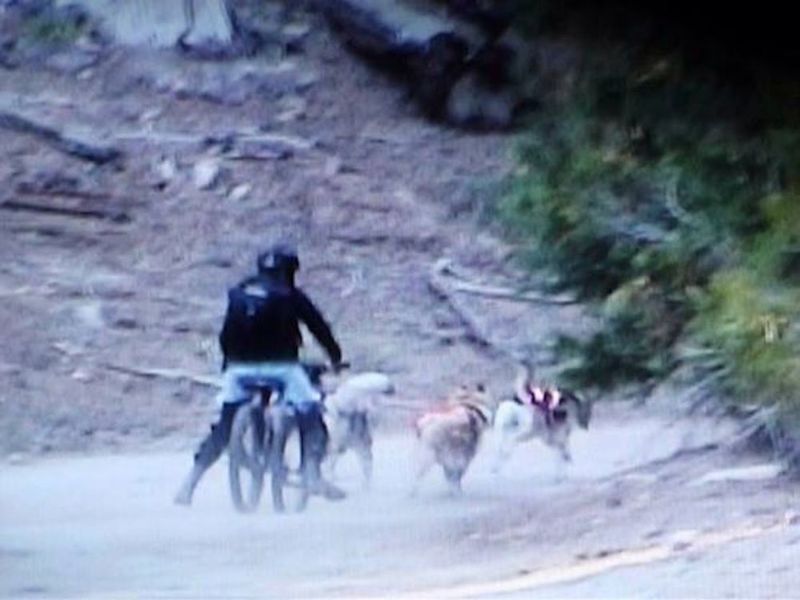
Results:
[584, 407]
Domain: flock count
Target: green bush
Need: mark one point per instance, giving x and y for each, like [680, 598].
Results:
[749, 327]
[654, 196]
[51, 29]
[632, 345]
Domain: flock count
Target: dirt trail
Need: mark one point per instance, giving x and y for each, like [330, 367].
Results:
[627, 522]
[370, 194]
[373, 196]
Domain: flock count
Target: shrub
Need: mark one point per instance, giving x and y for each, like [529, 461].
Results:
[653, 195]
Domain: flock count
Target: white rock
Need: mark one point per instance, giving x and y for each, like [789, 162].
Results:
[150, 115]
[68, 348]
[306, 79]
[333, 166]
[206, 173]
[90, 314]
[296, 31]
[240, 192]
[291, 109]
[167, 170]
[684, 536]
[751, 473]
[17, 458]
[81, 375]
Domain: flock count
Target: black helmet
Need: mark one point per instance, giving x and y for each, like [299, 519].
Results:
[280, 257]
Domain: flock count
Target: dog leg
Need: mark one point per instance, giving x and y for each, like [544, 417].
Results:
[364, 452]
[562, 458]
[513, 425]
[505, 442]
[330, 464]
[425, 460]
[453, 477]
[566, 454]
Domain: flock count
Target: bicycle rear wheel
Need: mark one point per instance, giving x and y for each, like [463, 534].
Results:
[289, 479]
[247, 458]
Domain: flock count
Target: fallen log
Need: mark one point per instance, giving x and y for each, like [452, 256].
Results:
[386, 27]
[460, 283]
[476, 332]
[234, 145]
[433, 51]
[492, 18]
[205, 26]
[502, 293]
[160, 373]
[455, 58]
[26, 290]
[66, 211]
[361, 239]
[84, 150]
[53, 189]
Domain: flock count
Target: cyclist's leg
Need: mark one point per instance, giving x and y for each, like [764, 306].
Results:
[313, 431]
[314, 436]
[307, 403]
[214, 444]
[212, 447]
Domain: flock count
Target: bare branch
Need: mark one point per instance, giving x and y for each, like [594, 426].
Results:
[84, 150]
[159, 373]
[459, 283]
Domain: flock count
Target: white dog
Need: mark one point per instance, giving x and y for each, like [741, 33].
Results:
[349, 410]
[547, 413]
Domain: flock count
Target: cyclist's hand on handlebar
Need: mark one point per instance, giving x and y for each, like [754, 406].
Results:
[340, 366]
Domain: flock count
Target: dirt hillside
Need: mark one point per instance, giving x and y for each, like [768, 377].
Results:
[315, 148]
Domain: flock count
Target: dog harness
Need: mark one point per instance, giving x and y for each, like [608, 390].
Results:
[546, 400]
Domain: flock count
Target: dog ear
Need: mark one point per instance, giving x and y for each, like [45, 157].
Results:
[522, 380]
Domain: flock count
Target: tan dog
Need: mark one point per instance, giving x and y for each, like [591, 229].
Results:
[450, 435]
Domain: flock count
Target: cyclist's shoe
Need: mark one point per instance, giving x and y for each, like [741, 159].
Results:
[184, 495]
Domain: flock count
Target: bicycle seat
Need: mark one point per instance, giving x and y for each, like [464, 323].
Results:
[259, 383]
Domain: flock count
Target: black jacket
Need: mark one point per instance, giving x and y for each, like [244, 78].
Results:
[262, 323]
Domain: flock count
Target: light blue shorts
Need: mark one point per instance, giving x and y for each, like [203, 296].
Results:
[298, 389]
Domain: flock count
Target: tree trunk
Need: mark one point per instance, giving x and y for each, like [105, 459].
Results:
[165, 23]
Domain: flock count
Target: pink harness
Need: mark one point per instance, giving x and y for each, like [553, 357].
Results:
[544, 399]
